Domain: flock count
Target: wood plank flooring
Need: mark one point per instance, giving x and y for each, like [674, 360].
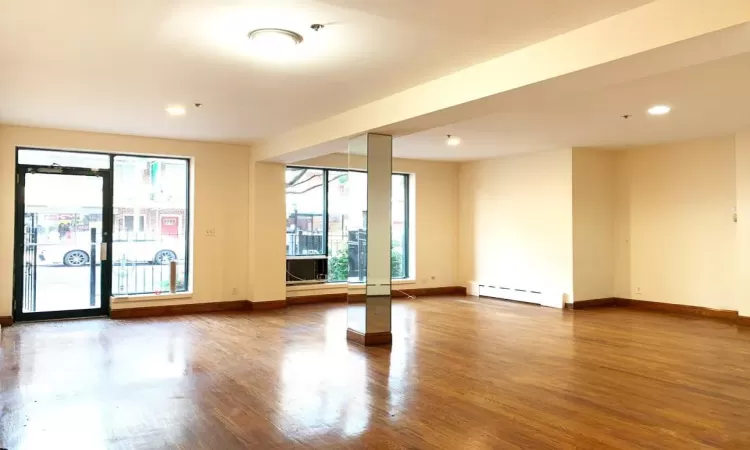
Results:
[461, 374]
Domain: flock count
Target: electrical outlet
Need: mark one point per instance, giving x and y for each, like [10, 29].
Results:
[234, 291]
[210, 232]
[638, 290]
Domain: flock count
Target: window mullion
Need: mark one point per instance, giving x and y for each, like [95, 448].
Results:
[325, 212]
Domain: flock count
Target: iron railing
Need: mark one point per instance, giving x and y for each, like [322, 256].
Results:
[138, 279]
[353, 247]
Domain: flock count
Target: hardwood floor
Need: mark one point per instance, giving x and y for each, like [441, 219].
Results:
[461, 374]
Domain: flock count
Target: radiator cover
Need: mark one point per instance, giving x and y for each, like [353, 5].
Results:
[519, 294]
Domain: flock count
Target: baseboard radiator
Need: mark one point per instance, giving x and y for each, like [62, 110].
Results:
[518, 294]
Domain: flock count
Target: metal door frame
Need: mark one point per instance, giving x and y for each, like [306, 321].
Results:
[18, 262]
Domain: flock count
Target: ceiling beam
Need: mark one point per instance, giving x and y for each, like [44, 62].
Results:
[643, 29]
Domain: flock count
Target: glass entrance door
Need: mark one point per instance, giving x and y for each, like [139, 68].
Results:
[63, 236]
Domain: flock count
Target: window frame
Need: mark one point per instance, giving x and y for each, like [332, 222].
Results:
[141, 225]
[407, 206]
[324, 210]
[407, 223]
[112, 155]
[188, 212]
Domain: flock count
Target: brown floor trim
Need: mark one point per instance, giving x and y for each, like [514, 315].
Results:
[322, 298]
[267, 306]
[177, 310]
[428, 292]
[684, 310]
[244, 305]
[368, 339]
[667, 308]
[358, 298]
[595, 303]
[670, 308]
[6, 321]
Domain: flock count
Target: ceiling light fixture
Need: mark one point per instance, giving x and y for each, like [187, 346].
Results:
[275, 39]
[452, 141]
[659, 110]
[175, 110]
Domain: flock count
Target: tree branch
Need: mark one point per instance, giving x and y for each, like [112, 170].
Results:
[296, 178]
[308, 189]
[300, 183]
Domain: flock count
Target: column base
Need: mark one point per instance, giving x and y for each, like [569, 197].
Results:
[368, 339]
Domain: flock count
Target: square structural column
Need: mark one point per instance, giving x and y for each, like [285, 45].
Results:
[369, 246]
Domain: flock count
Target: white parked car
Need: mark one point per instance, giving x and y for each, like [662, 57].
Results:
[75, 254]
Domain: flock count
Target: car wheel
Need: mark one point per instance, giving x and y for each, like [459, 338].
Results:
[76, 258]
[164, 257]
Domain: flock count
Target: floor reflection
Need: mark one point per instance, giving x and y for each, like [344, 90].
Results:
[328, 389]
[322, 391]
[459, 374]
[402, 368]
[324, 388]
[74, 378]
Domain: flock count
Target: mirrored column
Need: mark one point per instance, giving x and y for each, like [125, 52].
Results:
[369, 293]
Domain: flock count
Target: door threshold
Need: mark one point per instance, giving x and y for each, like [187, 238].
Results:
[58, 319]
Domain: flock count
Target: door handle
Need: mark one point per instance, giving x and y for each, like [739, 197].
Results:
[103, 251]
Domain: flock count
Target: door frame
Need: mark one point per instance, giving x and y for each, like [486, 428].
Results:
[105, 271]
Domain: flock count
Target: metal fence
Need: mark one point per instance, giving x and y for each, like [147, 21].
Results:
[311, 243]
[304, 243]
[134, 279]
[353, 247]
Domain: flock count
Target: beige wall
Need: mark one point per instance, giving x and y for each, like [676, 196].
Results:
[675, 238]
[516, 220]
[742, 180]
[650, 223]
[593, 223]
[244, 202]
[268, 245]
[433, 226]
[535, 219]
[220, 201]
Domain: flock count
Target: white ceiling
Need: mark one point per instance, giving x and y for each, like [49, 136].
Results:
[708, 99]
[113, 65]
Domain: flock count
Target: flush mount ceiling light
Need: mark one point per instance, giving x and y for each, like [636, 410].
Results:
[175, 110]
[275, 39]
[452, 141]
[659, 110]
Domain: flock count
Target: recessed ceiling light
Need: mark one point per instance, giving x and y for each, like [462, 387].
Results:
[659, 110]
[275, 39]
[175, 110]
[452, 140]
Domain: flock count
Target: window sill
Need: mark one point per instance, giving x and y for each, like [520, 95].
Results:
[340, 285]
[152, 297]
